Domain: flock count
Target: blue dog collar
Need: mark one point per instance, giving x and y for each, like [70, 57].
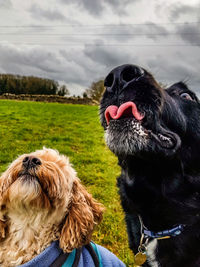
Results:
[145, 239]
[164, 234]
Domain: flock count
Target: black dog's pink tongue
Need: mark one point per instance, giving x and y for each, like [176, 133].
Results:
[115, 113]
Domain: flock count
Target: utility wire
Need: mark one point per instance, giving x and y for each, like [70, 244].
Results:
[99, 34]
[98, 25]
[99, 45]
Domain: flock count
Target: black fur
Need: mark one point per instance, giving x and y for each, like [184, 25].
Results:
[160, 178]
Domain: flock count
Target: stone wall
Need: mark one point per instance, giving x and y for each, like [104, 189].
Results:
[50, 98]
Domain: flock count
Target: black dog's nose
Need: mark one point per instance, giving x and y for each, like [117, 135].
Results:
[122, 75]
[31, 162]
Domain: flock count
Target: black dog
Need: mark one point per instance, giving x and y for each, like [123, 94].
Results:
[155, 133]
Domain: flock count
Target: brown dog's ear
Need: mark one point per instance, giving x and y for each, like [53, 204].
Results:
[3, 224]
[3, 220]
[2, 230]
[84, 214]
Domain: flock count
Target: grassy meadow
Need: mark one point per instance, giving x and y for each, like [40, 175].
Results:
[75, 131]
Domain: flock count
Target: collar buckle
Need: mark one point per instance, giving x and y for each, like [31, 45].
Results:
[161, 234]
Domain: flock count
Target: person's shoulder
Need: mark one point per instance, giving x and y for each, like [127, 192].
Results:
[108, 258]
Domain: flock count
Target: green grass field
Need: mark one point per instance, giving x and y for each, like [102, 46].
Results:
[75, 131]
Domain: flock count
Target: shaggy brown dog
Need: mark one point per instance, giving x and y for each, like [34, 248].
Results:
[42, 200]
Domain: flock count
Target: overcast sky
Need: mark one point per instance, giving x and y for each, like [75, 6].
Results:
[77, 42]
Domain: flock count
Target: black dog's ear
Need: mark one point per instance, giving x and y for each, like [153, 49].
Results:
[182, 87]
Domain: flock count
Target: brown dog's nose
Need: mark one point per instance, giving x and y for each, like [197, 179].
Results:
[121, 76]
[31, 162]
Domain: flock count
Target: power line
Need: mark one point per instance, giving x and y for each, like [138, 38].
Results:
[99, 34]
[99, 45]
[98, 25]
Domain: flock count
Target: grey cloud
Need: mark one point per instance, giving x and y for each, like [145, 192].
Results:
[94, 62]
[119, 35]
[5, 3]
[172, 71]
[25, 57]
[93, 7]
[119, 6]
[106, 56]
[78, 68]
[178, 10]
[149, 31]
[79, 65]
[96, 7]
[86, 71]
[39, 61]
[152, 31]
[189, 33]
[50, 14]
[168, 69]
[115, 3]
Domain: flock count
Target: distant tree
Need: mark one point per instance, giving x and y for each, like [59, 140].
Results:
[16, 84]
[85, 95]
[96, 90]
[63, 90]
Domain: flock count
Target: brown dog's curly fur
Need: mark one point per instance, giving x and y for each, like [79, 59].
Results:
[41, 205]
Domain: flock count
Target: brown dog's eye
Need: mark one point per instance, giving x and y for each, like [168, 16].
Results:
[186, 96]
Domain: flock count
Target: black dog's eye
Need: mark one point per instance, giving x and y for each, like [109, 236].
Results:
[186, 96]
